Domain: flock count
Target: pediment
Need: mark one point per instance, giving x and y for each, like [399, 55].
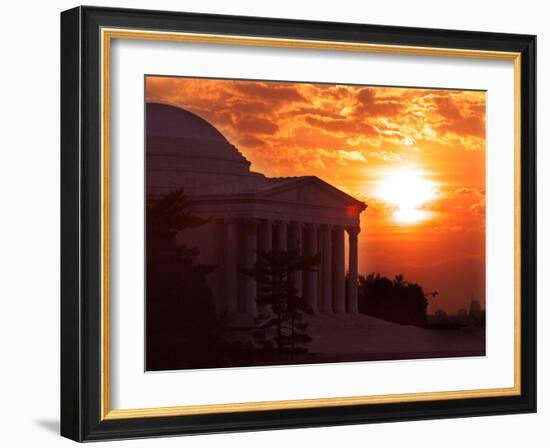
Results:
[312, 191]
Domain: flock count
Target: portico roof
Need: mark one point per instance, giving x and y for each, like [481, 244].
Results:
[266, 187]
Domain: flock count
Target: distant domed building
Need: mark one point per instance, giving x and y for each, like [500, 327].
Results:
[251, 212]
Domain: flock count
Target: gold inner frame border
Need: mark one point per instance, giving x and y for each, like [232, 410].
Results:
[107, 35]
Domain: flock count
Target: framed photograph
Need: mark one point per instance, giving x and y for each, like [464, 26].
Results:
[273, 223]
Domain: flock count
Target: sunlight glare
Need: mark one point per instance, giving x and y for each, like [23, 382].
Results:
[408, 190]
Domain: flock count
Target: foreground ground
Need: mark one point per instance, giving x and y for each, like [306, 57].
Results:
[335, 338]
[366, 338]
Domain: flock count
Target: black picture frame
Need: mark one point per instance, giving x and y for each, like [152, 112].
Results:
[81, 224]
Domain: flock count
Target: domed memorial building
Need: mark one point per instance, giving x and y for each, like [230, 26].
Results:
[250, 212]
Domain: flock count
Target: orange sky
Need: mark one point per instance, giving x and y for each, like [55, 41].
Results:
[367, 141]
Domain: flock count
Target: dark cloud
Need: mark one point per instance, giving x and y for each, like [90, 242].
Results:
[250, 141]
[248, 106]
[470, 126]
[368, 104]
[250, 124]
[447, 108]
[310, 137]
[342, 125]
[463, 121]
[270, 93]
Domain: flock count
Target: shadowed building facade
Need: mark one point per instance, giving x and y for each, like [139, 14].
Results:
[251, 213]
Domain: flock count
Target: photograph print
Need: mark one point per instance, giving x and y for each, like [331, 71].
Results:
[301, 223]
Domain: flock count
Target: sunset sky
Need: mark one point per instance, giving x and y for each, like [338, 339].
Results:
[415, 156]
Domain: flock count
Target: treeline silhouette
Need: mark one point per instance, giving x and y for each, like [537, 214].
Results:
[394, 300]
[474, 317]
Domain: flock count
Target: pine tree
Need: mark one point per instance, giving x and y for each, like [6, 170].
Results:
[182, 327]
[281, 324]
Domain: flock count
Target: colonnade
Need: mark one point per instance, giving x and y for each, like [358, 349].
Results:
[325, 290]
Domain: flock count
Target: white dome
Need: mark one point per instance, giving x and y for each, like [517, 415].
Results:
[185, 151]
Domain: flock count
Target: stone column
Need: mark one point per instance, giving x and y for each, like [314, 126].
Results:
[352, 299]
[281, 238]
[326, 272]
[265, 244]
[231, 265]
[311, 248]
[338, 271]
[266, 235]
[216, 278]
[296, 243]
[250, 256]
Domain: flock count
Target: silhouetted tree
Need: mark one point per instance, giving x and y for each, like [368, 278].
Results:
[182, 326]
[441, 318]
[393, 300]
[476, 313]
[281, 323]
[462, 316]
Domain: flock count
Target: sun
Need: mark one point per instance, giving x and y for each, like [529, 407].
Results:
[407, 189]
